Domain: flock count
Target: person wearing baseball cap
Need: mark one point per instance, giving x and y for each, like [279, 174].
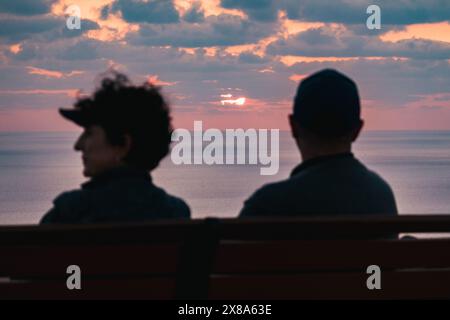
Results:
[326, 120]
[127, 132]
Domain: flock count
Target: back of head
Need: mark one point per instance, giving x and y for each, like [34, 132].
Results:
[327, 104]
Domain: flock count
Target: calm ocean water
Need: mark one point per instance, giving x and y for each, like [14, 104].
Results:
[36, 167]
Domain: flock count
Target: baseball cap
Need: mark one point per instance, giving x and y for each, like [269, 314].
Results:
[327, 103]
[81, 117]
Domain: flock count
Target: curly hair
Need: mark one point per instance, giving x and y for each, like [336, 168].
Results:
[141, 112]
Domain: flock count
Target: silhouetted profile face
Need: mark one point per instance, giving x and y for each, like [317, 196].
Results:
[98, 154]
[125, 125]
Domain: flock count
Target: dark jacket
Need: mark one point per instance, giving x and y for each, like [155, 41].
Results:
[330, 185]
[119, 195]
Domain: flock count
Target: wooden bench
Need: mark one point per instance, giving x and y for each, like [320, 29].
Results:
[314, 258]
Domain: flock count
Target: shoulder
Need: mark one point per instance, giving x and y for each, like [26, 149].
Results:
[382, 190]
[376, 181]
[69, 197]
[175, 206]
[67, 208]
[267, 199]
[272, 191]
[181, 209]
[381, 184]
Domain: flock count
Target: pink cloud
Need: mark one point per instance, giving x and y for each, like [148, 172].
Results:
[51, 73]
[297, 77]
[154, 79]
[69, 92]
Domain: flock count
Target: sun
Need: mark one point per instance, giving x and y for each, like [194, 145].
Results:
[237, 102]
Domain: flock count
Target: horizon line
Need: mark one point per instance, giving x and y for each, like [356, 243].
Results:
[281, 130]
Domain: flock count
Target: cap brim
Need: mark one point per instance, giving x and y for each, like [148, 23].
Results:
[75, 116]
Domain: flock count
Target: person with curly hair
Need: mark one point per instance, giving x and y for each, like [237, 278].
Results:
[127, 131]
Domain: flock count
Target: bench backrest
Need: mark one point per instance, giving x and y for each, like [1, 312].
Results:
[318, 258]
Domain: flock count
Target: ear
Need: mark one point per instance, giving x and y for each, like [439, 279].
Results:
[126, 146]
[294, 126]
[357, 130]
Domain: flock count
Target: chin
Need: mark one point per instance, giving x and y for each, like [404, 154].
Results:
[87, 173]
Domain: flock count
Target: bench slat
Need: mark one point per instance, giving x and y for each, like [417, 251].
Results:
[287, 256]
[134, 288]
[394, 285]
[231, 229]
[52, 261]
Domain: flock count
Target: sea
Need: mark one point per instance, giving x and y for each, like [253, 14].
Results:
[37, 166]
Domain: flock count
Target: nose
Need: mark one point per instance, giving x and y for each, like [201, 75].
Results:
[79, 143]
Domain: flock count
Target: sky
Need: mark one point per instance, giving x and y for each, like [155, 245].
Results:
[228, 63]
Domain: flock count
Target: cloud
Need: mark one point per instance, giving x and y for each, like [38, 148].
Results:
[392, 12]
[84, 49]
[391, 83]
[52, 73]
[155, 11]
[222, 30]
[69, 92]
[45, 28]
[26, 7]
[85, 26]
[27, 51]
[340, 42]
[249, 57]
[259, 10]
[443, 97]
[44, 72]
[14, 29]
[195, 14]
[431, 108]
[35, 98]
[20, 77]
[297, 77]
[154, 80]
[237, 102]
[344, 11]
[49, 57]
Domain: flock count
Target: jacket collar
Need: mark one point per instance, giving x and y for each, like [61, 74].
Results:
[312, 162]
[119, 173]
